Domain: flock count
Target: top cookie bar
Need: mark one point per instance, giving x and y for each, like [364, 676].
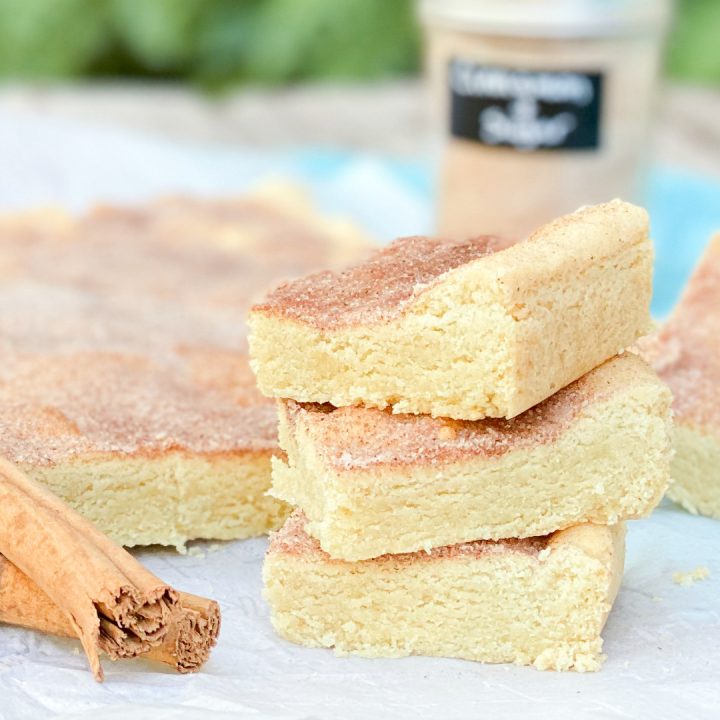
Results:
[461, 329]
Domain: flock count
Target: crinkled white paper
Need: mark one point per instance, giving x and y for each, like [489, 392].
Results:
[662, 639]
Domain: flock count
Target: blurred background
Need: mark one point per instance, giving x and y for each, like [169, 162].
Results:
[119, 99]
[198, 55]
[220, 44]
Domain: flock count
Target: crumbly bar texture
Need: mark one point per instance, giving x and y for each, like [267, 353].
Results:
[372, 483]
[686, 355]
[538, 601]
[124, 376]
[696, 471]
[464, 329]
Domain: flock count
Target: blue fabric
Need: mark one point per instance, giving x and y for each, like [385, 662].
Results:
[391, 198]
[684, 213]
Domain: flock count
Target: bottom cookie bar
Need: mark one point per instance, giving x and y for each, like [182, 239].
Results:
[538, 601]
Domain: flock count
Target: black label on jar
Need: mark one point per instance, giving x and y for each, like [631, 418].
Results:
[527, 110]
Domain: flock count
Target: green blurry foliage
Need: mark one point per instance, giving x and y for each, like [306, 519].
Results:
[160, 34]
[212, 42]
[694, 48]
[50, 38]
[220, 43]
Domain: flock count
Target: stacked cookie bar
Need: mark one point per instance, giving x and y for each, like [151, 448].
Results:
[463, 441]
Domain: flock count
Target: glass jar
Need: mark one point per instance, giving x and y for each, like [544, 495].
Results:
[543, 105]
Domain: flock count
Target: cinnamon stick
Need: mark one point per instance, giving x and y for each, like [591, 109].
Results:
[186, 646]
[113, 604]
[192, 634]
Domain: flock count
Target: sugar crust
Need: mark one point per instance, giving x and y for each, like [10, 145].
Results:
[359, 438]
[122, 331]
[686, 351]
[380, 288]
[389, 281]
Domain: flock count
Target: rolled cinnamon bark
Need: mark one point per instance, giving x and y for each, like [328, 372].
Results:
[192, 634]
[192, 631]
[112, 603]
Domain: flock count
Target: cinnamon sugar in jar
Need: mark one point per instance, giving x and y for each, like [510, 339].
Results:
[544, 105]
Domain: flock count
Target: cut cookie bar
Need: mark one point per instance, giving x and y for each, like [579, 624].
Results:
[124, 380]
[372, 483]
[686, 354]
[461, 329]
[540, 601]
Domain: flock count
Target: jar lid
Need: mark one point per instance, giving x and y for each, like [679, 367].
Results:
[549, 18]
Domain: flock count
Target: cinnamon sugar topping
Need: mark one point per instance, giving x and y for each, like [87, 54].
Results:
[686, 352]
[123, 331]
[378, 289]
[355, 438]
[292, 539]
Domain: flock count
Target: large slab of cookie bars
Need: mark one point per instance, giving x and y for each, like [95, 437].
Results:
[124, 379]
[372, 483]
[686, 355]
[461, 329]
[539, 601]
